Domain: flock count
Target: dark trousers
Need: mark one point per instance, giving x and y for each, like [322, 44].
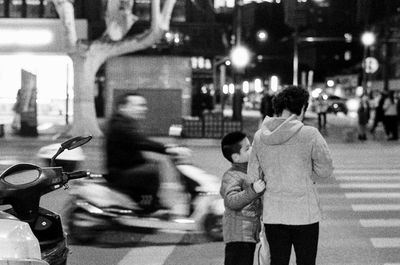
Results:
[141, 182]
[239, 253]
[321, 120]
[391, 124]
[304, 239]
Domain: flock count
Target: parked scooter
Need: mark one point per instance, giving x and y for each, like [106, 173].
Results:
[30, 234]
[95, 207]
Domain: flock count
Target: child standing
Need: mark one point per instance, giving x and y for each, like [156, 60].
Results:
[241, 224]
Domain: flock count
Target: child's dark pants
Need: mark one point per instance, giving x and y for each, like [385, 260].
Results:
[239, 253]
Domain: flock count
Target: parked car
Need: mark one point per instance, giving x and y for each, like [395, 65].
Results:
[337, 104]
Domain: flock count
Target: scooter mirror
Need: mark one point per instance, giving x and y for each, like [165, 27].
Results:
[76, 142]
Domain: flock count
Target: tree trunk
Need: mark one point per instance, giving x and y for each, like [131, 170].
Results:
[85, 120]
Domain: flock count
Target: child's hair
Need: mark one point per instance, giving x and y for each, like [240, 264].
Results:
[292, 98]
[230, 144]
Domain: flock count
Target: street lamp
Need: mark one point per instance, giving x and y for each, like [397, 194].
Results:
[368, 39]
[240, 56]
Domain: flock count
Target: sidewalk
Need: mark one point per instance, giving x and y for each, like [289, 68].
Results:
[340, 129]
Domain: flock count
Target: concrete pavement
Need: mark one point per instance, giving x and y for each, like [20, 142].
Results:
[340, 129]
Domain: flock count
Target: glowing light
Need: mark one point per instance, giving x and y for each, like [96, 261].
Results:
[25, 37]
[246, 87]
[359, 90]
[257, 85]
[315, 93]
[225, 89]
[352, 104]
[368, 38]
[274, 81]
[262, 35]
[240, 56]
[330, 83]
[231, 88]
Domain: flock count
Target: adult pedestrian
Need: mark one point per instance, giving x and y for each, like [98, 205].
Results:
[266, 105]
[363, 113]
[378, 113]
[321, 109]
[390, 116]
[289, 154]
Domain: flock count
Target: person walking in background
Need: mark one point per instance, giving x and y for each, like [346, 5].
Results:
[291, 156]
[390, 116]
[266, 105]
[378, 115]
[363, 113]
[241, 194]
[321, 109]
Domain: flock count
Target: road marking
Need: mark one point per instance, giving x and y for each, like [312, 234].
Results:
[372, 195]
[363, 185]
[380, 222]
[368, 178]
[152, 255]
[366, 171]
[375, 207]
[385, 242]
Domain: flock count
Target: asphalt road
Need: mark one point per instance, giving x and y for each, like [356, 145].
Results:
[361, 211]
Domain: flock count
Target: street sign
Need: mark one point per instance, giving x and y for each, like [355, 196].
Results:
[371, 65]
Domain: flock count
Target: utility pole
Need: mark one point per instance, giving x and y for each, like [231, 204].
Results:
[386, 48]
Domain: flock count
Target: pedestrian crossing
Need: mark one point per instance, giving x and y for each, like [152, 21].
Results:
[373, 195]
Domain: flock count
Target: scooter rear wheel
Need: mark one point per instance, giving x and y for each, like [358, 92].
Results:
[213, 227]
[79, 234]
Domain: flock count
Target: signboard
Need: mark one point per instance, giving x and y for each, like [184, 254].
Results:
[371, 65]
[27, 101]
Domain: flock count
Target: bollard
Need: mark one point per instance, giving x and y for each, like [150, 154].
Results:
[1, 130]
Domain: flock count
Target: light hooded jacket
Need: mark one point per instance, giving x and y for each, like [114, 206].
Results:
[290, 155]
[241, 222]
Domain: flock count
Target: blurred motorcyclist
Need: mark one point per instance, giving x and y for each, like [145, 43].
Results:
[128, 168]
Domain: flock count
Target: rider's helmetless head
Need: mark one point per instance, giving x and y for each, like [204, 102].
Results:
[133, 105]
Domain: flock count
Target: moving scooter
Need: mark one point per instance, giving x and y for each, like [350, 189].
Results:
[30, 234]
[96, 207]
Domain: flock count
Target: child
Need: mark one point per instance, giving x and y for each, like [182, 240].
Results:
[241, 225]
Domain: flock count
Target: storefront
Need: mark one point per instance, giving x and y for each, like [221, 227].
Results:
[36, 47]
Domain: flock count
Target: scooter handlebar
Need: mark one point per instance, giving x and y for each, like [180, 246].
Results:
[77, 174]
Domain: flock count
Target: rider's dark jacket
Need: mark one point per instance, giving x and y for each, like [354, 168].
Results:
[125, 143]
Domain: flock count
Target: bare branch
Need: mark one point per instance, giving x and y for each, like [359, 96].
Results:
[65, 10]
[159, 24]
[155, 14]
[119, 18]
[166, 14]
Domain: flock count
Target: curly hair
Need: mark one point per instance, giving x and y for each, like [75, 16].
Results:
[292, 98]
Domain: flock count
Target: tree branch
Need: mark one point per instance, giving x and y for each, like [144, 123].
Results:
[160, 23]
[119, 18]
[65, 10]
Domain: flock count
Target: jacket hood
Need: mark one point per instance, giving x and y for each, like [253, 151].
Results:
[277, 130]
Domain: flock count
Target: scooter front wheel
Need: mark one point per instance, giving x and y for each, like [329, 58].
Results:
[213, 227]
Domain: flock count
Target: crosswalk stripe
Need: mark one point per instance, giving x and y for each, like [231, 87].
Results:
[368, 178]
[380, 222]
[366, 171]
[145, 255]
[372, 195]
[362, 185]
[375, 207]
[385, 242]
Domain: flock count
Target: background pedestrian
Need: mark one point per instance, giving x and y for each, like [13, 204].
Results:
[390, 116]
[363, 114]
